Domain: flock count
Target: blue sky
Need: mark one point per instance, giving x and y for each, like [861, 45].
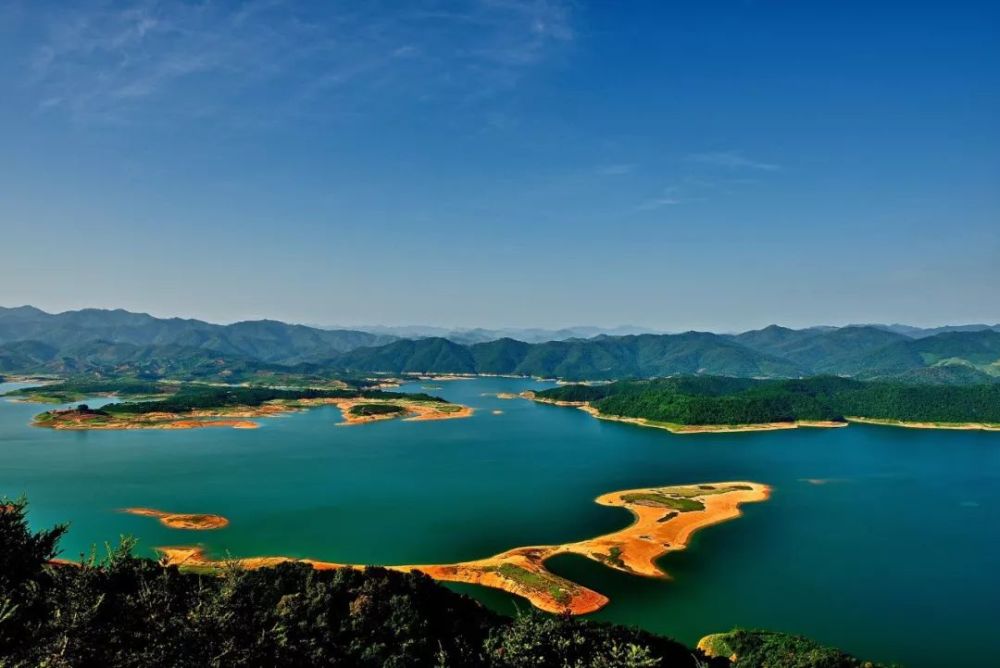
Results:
[709, 165]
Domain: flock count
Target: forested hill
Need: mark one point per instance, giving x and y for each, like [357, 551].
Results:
[601, 357]
[704, 400]
[266, 341]
[865, 352]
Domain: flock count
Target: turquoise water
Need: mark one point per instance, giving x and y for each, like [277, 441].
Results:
[894, 557]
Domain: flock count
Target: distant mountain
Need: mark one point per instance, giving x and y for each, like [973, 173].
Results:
[603, 357]
[861, 351]
[263, 340]
[979, 350]
[838, 351]
[924, 332]
[482, 335]
[100, 342]
[103, 358]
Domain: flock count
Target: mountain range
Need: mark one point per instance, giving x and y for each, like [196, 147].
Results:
[121, 342]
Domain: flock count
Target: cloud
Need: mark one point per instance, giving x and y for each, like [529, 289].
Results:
[668, 198]
[98, 60]
[732, 160]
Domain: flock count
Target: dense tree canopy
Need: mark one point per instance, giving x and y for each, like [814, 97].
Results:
[705, 400]
[202, 397]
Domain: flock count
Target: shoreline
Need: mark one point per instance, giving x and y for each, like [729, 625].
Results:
[958, 426]
[663, 521]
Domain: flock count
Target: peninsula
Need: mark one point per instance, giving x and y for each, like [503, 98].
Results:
[704, 404]
[664, 520]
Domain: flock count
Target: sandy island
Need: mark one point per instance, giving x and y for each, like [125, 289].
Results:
[238, 417]
[664, 520]
[413, 411]
[195, 521]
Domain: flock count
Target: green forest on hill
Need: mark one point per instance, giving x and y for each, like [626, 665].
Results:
[700, 400]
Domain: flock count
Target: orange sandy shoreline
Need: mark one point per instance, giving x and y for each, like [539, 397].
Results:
[657, 529]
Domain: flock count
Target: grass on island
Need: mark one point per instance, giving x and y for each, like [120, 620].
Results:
[536, 581]
[614, 557]
[449, 408]
[365, 410]
[677, 503]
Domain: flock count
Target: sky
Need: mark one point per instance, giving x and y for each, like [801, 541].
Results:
[710, 164]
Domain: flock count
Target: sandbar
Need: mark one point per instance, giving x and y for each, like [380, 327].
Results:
[664, 518]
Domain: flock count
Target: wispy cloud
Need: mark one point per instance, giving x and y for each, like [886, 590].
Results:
[98, 60]
[668, 198]
[732, 160]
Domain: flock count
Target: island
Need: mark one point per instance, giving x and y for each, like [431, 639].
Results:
[236, 407]
[664, 518]
[706, 404]
[193, 521]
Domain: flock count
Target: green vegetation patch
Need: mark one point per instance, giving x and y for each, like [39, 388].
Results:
[76, 389]
[362, 410]
[706, 400]
[679, 504]
[191, 398]
[556, 588]
[703, 490]
[613, 557]
[768, 648]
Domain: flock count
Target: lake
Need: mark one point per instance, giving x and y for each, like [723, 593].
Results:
[882, 541]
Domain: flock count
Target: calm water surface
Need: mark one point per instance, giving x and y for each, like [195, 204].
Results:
[894, 556]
